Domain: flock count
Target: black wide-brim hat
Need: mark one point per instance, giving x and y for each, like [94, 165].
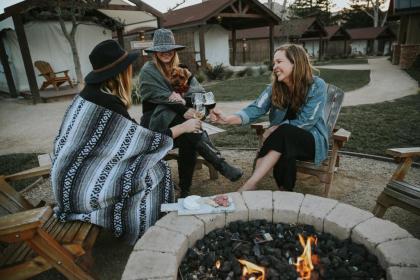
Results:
[108, 59]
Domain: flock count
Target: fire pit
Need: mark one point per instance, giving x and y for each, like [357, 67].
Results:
[260, 250]
[159, 253]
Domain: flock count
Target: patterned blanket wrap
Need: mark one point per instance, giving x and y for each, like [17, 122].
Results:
[107, 170]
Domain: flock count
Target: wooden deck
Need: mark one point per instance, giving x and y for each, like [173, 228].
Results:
[51, 95]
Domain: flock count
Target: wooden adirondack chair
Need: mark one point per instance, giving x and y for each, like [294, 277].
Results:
[399, 192]
[33, 241]
[325, 172]
[50, 76]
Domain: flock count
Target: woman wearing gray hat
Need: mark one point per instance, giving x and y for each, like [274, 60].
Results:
[107, 169]
[163, 107]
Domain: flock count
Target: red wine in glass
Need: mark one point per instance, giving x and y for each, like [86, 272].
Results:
[209, 102]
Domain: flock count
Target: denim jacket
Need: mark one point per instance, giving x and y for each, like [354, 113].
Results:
[309, 117]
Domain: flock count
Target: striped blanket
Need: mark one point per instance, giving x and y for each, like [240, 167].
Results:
[107, 170]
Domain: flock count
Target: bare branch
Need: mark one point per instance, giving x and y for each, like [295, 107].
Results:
[176, 5]
[384, 19]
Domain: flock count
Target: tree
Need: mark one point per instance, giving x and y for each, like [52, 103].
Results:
[318, 8]
[77, 12]
[373, 9]
[355, 17]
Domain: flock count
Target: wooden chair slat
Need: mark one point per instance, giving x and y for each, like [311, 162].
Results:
[44, 236]
[71, 233]
[404, 152]
[10, 199]
[399, 192]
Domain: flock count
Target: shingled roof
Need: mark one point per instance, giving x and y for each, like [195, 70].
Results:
[336, 31]
[295, 28]
[206, 12]
[370, 33]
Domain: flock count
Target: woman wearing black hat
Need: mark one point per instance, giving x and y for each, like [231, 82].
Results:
[108, 170]
[163, 107]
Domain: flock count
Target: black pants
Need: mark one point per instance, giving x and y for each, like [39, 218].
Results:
[187, 156]
[293, 143]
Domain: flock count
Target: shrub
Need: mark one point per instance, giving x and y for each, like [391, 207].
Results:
[135, 93]
[228, 74]
[248, 71]
[216, 72]
[200, 76]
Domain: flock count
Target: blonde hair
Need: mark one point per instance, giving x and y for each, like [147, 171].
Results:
[300, 78]
[163, 69]
[120, 86]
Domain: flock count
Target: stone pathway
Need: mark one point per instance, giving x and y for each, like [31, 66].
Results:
[387, 82]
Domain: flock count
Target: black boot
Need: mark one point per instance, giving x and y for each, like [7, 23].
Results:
[187, 158]
[207, 150]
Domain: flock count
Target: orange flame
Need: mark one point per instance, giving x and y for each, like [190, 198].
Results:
[217, 264]
[252, 271]
[304, 264]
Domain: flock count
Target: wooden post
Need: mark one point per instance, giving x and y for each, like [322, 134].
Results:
[271, 40]
[202, 47]
[233, 47]
[7, 71]
[345, 47]
[120, 32]
[320, 49]
[26, 56]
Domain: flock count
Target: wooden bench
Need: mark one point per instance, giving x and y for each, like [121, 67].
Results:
[325, 172]
[32, 240]
[399, 192]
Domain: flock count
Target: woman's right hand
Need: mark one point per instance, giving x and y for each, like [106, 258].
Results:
[216, 116]
[189, 114]
[191, 126]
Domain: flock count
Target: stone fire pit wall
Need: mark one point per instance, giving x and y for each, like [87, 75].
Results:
[158, 254]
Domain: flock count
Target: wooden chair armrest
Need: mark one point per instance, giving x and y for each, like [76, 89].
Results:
[341, 135]
[64, 71]
[404, 152]
[260, 127]
[22, 221]
[34, 172]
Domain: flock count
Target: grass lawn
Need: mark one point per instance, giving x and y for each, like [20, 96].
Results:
[374, 127]
[414, 73]
[342, 61]
[248, 88]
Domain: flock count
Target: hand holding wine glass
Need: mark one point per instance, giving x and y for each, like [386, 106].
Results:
[200, 109]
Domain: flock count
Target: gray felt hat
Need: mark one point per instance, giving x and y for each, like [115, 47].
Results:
[163, 41]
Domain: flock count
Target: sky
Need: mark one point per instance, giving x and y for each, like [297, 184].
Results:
[164, 5]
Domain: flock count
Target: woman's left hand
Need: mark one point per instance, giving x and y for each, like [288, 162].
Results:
[268, 132]
[176, 98]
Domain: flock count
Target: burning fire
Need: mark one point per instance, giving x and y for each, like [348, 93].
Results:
[217, 264]
[252, 271]
[304, 263]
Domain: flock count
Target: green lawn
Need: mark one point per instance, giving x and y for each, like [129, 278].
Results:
[342, 61]
[374, 128]
[249, 88]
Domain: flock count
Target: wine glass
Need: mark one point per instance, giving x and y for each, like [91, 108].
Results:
[209, 101]
[200, 110]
